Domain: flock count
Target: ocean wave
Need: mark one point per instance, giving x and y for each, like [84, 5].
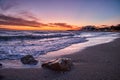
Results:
[17, 51]
[14, 45]
[21, 37]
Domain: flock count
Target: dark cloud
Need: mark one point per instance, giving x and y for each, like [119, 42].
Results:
[8, 20]
[62, 25]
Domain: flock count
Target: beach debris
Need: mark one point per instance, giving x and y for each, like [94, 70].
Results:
[0, 65]
[29, 59]
[60, 64]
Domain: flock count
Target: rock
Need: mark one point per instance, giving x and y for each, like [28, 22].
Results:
[0, 65]
[1, 77]
[29, 59]
[60, 64]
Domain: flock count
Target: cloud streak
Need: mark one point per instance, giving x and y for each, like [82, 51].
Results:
[8, 20]
[21, 23]
[61, 25]
[27, 14]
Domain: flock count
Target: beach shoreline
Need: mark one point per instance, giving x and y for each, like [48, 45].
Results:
[73, 48]
[99, 62]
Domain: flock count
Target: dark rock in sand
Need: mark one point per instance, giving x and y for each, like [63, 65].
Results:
[29, 59]
[60, 64]
[1, 77]
[0, 65]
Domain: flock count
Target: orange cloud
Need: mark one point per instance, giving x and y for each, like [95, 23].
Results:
[64, 26]
[8, 22]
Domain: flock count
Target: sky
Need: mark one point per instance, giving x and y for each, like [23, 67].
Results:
[58, 14]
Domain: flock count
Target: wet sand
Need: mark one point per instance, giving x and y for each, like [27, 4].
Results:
[100, 62]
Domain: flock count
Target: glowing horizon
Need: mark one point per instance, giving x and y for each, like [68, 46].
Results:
[58, 14]
[37, 28]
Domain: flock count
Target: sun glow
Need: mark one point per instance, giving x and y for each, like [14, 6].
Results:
[36, 28]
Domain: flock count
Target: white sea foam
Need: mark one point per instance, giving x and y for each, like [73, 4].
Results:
[14, 45]
[43, 48]
[94, 38]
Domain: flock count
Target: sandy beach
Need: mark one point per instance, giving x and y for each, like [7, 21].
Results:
[59, 39]
[100, 62]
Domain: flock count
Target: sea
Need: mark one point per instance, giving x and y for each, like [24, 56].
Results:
[16, 44]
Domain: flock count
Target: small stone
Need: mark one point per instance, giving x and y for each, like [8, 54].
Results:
[60, 64]
[0, 65]
[29, 59]
[1, 77]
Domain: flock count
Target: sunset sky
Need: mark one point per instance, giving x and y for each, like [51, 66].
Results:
[57, 14]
